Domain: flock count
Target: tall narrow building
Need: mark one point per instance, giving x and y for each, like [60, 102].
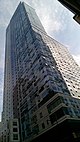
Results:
[41, 82]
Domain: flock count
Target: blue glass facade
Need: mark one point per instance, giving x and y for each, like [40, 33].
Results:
[44, 78]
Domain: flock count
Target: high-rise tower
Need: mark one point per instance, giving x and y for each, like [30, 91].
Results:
[41, 83]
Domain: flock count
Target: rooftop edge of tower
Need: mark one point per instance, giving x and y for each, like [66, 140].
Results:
[20, 3]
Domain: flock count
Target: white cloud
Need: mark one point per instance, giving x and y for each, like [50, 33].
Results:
[77, 59]
[2, 63]
[5, 8]
[47, 12]
[49, 21]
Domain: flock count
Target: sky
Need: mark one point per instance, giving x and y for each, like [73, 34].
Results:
[57, 21]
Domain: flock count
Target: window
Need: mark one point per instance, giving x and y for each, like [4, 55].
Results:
[42, 88]
[35, 129]
[14, 123]
[57, 115]
[34, 119]
[15, 136]
[53, 104]
[41, 115]
[48, 122]
[15, 130]
[43, 125]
